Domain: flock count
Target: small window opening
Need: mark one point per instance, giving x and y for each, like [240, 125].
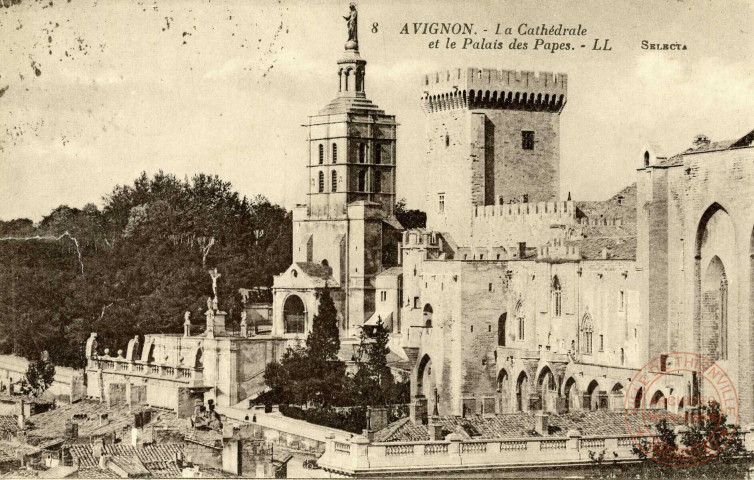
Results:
[527, 140]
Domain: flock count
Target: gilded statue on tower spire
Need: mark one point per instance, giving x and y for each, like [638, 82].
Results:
[352, 23]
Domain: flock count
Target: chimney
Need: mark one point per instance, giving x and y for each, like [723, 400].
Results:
[521, 249]
[435, 431]
[104, 420]
[21, 415]
[98, 444]
[700, 140]
[418, 410]
[179, 459]
[137, 436]
[71, 429]
[542, 423]
[232, 455]
[376, 418]
[103, 461]
[142, 436]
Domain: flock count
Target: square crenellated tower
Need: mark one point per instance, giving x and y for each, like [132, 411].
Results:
[492, 137]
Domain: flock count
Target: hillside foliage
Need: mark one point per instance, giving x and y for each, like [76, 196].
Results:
[135, 265]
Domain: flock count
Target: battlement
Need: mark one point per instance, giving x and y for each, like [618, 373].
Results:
[490, 88]
[421, 238]
[558, 250]
[554, 210]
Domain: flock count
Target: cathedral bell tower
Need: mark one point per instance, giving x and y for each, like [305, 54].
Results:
[348, 225]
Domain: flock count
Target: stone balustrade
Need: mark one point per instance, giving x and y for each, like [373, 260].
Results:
[361, 456]
[117, 365]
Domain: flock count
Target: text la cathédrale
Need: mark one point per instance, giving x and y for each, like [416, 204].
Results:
[457, 28]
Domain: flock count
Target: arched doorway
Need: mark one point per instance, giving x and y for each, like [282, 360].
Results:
[428, 315]
[547, 389]
[503, 389]
[294, 315]
[658, 402]
[617, 397]
[714, 321]
[571, 395]
[592, 394]
[522, 393]
[639, 398]
[502, 324]
[425, 384]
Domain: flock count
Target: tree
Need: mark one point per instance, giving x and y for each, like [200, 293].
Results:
[136, 265]
[39, 376]
[323, 342]
[709, 448]
[326, 372]
[409, 218]
[373, 383]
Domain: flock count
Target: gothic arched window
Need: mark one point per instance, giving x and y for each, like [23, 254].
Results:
[321, 154]
[378, 154]
[587, 329]
[321, 182]
[521, 321]
[377, 182]
[557, 296]
[334, 186]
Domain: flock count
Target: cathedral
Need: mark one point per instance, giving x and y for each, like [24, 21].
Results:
[512, 299]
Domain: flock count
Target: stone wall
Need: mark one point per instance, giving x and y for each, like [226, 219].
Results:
[472, 300]
[68, 386]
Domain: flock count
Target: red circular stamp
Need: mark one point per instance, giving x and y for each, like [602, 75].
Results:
[689, 396]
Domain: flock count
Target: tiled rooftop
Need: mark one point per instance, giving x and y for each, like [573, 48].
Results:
[52, 424]
[95, 472]
[8, 425]
[4, 397]
[515, 425]
[147, 454]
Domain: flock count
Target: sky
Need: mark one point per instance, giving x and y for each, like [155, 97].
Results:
[94, 92]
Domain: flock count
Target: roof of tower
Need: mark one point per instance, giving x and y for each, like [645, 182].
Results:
[355, 104]
[706, 147]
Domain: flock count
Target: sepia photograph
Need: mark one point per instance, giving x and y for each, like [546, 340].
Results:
[377, 239]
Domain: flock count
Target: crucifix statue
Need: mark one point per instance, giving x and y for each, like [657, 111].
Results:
[352, 24]
[214, 275]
